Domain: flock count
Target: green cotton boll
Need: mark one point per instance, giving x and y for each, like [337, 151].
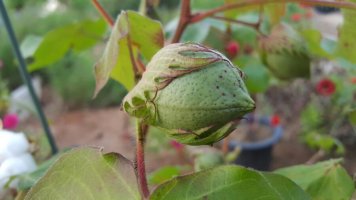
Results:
[192, 92]
[285, 54]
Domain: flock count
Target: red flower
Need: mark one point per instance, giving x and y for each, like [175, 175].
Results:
[275, 120]
[353, 80]
[296, 17]
[10, 121]
[325, 87]
[232, 48]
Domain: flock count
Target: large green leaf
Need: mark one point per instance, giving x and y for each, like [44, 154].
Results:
[323, 181]
[87, 173]
[78, 36]
[145, 35]
[27, 180]
[230, 182]
[347, 40]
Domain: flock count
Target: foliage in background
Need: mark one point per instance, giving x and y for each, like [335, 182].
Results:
[111, 175]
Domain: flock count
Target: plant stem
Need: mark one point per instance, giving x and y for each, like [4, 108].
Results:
[184, 20]
[255, 26]
[141, 130]
[203, 15]
[103, 13]
[316, 157]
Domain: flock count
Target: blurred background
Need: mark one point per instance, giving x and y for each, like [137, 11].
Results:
[61, 41]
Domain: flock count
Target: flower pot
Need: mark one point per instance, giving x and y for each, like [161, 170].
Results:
[258, 154]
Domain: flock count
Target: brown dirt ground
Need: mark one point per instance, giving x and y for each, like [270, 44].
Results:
[110, 128]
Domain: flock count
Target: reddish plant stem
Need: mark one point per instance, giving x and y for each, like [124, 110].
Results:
[140, 158]
[338, 4]
[103, 13]
[255, 26]
[184, 20]
[135, 67]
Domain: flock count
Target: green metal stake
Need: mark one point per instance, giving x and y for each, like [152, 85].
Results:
[26, 77]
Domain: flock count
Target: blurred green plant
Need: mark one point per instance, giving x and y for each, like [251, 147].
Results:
[325, 121]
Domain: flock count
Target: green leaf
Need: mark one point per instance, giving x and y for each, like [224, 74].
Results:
[145, 35]
[313, 40]
[205, 5]
[352, 117]
[257, 78]
[58, 42]
[196, 32]
[311, 117]
[163, 174]
[26, 181]
[275, 12]
[347, 40]
[233, 13]
[323, 181]
[230, 182]
[29, 45]
[87, 173]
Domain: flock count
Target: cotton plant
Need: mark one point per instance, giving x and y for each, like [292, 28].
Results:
[15, 157]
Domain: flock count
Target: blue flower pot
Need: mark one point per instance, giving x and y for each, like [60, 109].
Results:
[258, 155]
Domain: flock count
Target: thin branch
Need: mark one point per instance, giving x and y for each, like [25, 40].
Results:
[338, 4]
[255, 26]
[316, 157]
[141, 130]
[184, 20]
[103, 13]
[135, 68]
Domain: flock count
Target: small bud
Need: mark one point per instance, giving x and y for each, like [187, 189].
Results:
[192, 92]
[232, 48]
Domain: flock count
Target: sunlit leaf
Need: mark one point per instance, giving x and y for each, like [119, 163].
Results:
[347, 40]
[58, 42]
[233, 13]
[163, 174]
[29, 45]
[87, 173]
[313, 42]
[326, 180]
[230, 182]
[275, 12]
[145, 35]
